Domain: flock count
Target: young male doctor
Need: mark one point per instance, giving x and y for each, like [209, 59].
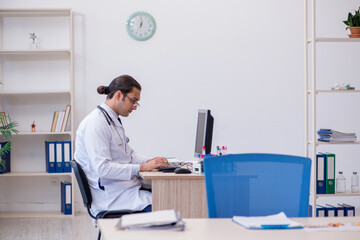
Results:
[110, 164]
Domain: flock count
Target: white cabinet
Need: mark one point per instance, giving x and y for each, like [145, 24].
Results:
[37, 81]
[323, 104]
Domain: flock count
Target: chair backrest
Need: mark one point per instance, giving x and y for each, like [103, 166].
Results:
[82, 182]
[257, 185]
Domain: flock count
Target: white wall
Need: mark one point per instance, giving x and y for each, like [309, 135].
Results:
[244, 60]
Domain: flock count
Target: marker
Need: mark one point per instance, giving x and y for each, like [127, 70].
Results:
[274, 226]
[335, 224]
[203, 150]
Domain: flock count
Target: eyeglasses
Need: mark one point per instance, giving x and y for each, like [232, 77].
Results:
[133, 101]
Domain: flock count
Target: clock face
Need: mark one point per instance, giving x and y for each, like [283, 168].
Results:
[141, 26]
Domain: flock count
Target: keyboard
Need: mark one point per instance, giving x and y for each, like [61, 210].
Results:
[171, 168]
[166, 169]
[174, 164]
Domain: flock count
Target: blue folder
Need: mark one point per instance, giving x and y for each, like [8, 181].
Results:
[66, 203]
[320, 173]
[340, 211]
[349, 210]
[59, 158]
[321, 211]
[66, 146]
[50, 155]
[331, 210]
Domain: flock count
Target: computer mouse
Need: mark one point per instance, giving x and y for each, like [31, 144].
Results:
[182, 170]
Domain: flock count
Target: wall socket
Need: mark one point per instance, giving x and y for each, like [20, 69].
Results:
[54, 181]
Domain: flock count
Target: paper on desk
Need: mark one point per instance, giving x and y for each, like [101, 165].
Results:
[277, 221]
[158, 220]
[347, 227]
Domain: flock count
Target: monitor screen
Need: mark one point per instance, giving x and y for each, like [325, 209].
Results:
[204, 132]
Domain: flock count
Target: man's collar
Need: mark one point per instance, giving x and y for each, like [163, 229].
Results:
[111, 113]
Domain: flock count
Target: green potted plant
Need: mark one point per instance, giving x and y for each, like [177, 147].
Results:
[353, 23]
[7, 128]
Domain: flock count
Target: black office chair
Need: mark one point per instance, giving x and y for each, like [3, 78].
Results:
[87, 198]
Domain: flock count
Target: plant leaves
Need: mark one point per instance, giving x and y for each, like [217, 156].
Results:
[3, 151]
[8, 130]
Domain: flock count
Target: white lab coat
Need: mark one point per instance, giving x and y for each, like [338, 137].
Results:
[106, 157]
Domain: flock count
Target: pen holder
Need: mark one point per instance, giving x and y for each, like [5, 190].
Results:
[199, 167]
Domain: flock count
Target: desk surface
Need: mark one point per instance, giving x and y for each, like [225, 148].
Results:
[217, 228]
[162, 175]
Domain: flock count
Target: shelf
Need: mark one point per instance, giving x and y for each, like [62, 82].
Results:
[41, 133]
[337, 40]
[345, 194]
[37, 51]
[337, 91]
[33, 93]
[32, 214]
[31, 12]
[336, 143]
[34, 174]
[333, 91]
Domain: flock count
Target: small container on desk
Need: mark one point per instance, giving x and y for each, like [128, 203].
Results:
[198, 167]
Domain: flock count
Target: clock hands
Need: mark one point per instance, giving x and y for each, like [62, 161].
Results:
[140, 25]
[141, 21]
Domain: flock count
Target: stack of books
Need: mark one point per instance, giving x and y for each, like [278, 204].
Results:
[330, 135]
[61, 120]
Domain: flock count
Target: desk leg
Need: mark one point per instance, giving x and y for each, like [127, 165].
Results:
[187, 196]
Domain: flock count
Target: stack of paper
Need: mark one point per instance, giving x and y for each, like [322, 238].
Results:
[277, 221]
[159, 220]
[329, 135]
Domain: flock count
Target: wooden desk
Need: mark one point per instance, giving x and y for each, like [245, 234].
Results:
[221, 228]
[183, 192]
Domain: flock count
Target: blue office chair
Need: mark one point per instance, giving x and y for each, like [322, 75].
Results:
[257, 185]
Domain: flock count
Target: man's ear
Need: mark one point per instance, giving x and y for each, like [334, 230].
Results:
[118, 95]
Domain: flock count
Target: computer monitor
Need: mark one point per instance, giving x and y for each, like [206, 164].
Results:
[205, 123]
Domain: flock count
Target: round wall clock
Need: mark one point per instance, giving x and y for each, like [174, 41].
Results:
[141, 26]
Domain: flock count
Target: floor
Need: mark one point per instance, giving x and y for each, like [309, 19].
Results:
[55, 228]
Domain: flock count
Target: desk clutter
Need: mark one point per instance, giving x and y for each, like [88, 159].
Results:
[281, 221]
[159, 220]
[198, 167]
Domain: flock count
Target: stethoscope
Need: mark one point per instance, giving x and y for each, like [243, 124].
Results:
[111, 122]
[107, 116]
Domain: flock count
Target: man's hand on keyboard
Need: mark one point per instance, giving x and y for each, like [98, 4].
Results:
[153, 164]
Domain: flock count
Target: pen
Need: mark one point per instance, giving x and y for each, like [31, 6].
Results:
[274, 226]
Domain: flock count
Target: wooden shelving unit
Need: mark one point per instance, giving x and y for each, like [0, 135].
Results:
[36, 82]
[311, 96]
